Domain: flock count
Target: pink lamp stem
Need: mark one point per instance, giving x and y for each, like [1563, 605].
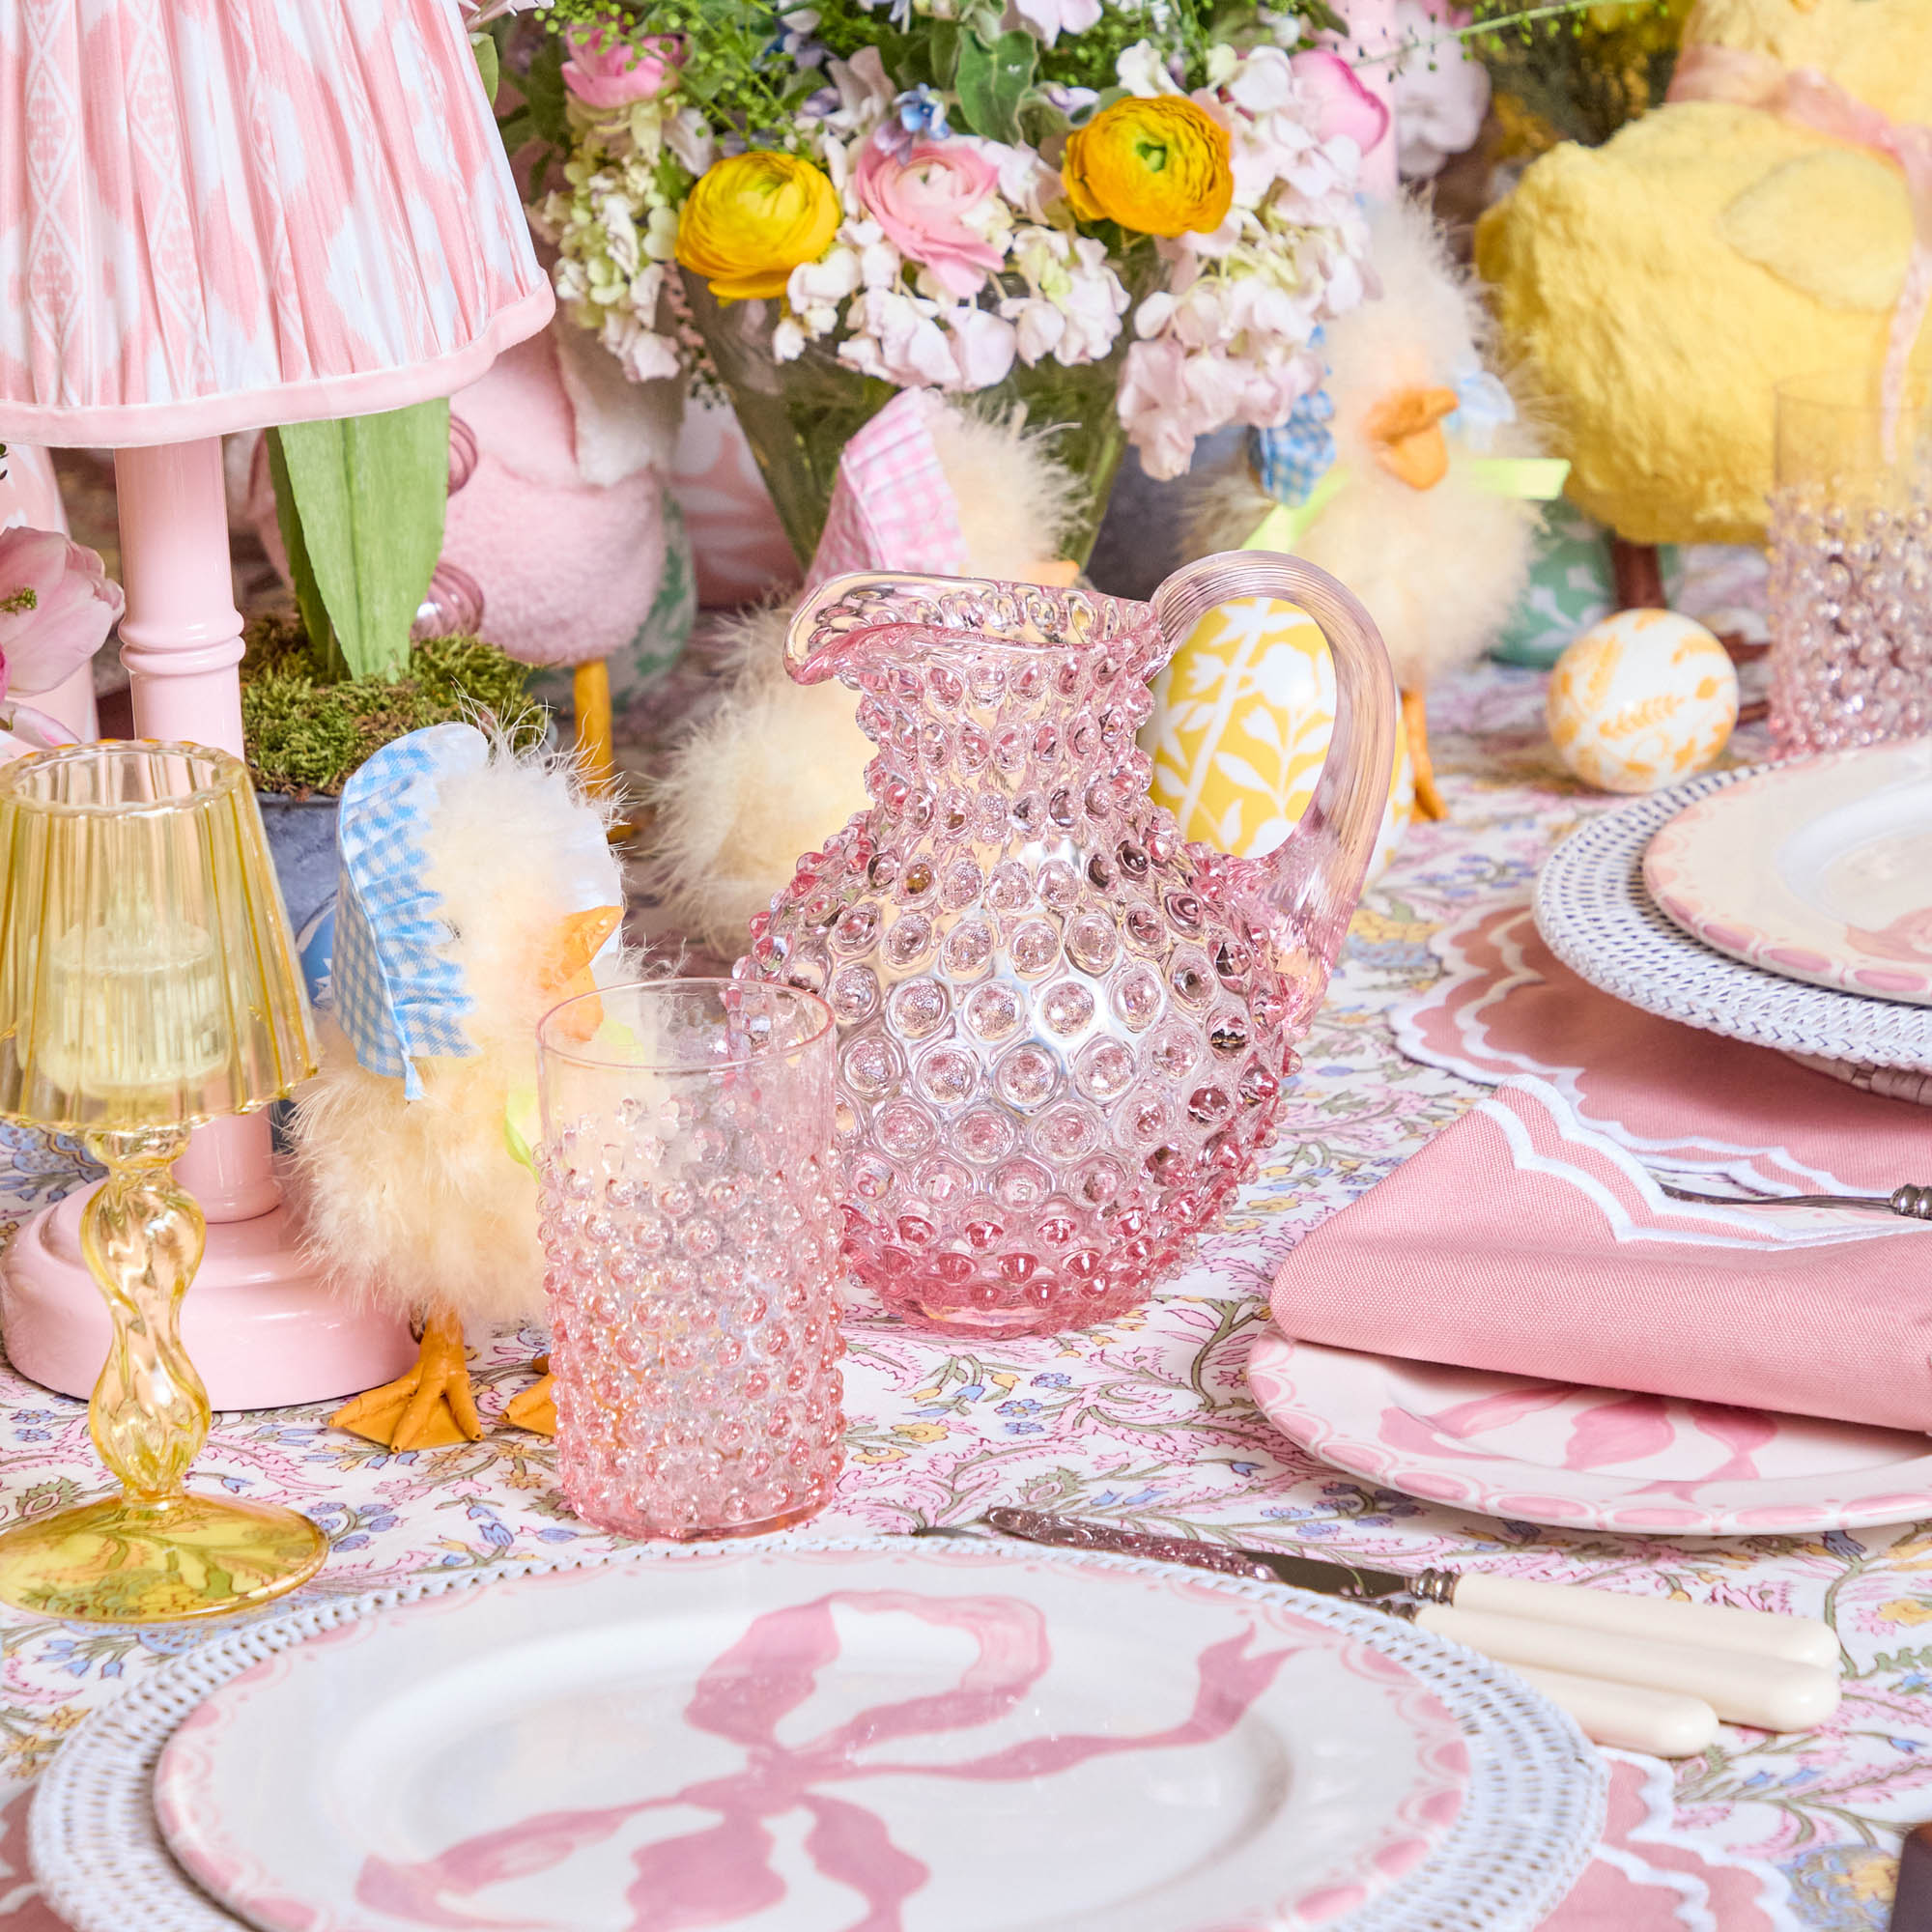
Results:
[182, 636]
[181, 642]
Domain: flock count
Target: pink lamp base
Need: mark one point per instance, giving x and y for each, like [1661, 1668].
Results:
[261, 1329]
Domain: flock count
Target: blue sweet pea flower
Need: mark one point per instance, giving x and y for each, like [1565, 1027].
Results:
[923, 114]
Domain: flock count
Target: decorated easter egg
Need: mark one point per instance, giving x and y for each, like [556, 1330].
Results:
[1240, 725]
[1641, 700]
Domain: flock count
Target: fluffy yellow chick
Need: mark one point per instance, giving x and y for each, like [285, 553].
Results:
[421, 1201]
[1664, 284]
[1409, 517]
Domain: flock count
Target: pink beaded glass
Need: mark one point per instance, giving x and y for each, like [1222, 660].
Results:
[1850, 566]
[1064, 1031]
[690, 1235]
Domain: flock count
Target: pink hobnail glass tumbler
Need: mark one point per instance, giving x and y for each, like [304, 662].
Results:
[691, 1237]
[1851, 564]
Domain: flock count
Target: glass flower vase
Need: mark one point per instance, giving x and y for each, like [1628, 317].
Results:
[799, 415]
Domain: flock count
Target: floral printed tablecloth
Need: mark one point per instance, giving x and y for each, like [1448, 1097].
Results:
[1145, 1423]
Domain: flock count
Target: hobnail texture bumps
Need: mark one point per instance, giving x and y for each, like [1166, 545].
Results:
[1851, 613]
[692, 1252]
[1062, 1035]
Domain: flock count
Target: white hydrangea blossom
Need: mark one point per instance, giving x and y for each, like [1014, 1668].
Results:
[615, 229]
[1228, 340]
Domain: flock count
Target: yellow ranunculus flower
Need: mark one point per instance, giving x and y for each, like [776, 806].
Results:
[750, 220]
[1158, 167]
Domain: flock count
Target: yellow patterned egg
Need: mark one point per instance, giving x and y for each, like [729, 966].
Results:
[1240, 725]
[1643, 699]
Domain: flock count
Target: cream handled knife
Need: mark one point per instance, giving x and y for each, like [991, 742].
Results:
[1657, 1619]
[1656, 1682]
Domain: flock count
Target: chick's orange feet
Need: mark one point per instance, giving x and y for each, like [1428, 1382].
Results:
[535, 1408]
[1415, 719]
[428, 1409]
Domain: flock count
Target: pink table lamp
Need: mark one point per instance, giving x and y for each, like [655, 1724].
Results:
[217, 216]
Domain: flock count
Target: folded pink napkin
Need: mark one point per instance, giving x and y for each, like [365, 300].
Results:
[1529, 1239]
[1520, 1241]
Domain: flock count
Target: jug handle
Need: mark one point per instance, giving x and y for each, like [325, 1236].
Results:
[1312, 879]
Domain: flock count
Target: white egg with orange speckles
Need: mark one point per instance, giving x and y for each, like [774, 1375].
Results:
[1643, 699]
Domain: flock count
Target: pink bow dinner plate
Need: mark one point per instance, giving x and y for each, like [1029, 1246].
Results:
[1574, 1458]
[1819, 871]
[957, 1738]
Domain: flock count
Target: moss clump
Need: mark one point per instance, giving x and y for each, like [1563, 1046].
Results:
[305, 735]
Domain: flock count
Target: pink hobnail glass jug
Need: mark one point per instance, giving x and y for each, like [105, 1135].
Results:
[1063, 1029]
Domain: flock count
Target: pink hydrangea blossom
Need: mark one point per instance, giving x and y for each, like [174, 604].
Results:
[1343, 105]
[606, 71]
[57, 606]
[933, 207]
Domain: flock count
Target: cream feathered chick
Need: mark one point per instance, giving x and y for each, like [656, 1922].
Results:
[420, 1204]
[778, 767]
[1436, 557]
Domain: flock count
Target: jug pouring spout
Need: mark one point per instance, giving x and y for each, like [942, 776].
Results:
[1311, 882]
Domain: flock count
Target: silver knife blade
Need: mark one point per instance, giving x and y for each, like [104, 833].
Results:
[1323, 1576]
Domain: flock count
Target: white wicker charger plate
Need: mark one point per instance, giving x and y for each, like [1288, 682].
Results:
[1531, 1812]
[1595, 915]
[1818, 870]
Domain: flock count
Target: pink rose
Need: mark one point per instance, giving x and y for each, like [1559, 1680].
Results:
[56, 608]
[606, 71]
[1341, 104]
[924, 203]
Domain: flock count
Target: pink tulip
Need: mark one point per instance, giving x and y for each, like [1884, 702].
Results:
[605, 70]
[56, 608]
[924, 203]
[1343, 105]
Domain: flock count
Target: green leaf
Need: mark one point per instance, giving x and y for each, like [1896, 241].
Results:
[993, 80]
[945, 53]
[369, 495]
[488, 64]
[301, 573]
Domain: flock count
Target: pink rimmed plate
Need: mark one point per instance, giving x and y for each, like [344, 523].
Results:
[951, 1738]
[1820, 871]
[1585, 1457]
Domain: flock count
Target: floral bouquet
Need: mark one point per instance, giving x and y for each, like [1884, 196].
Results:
[1127, 217]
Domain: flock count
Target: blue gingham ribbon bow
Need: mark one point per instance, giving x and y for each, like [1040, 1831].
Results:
[1289, 461]
[397, 997]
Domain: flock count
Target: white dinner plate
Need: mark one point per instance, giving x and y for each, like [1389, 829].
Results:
[1542, 1452]
[1530, 1814]
[1820, 871]
[805, 1740]
[1597, 916]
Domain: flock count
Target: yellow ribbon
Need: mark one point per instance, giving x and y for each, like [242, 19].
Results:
[1535, 479]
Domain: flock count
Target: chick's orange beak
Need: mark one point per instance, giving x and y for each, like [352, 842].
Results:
[1404, 429]
[565, 971]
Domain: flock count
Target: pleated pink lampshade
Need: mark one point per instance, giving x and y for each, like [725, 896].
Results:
[217, 215]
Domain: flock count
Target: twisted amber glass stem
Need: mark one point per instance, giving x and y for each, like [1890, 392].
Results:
[142, 1238]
